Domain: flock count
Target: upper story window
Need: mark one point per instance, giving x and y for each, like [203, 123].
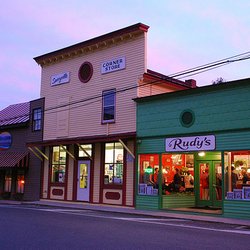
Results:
[108, 105]
[37, 119]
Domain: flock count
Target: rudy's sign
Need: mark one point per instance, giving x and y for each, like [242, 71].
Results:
[194, 143]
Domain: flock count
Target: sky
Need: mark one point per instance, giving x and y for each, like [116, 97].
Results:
[183, 34]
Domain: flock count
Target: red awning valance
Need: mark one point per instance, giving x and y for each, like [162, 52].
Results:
[14, 159]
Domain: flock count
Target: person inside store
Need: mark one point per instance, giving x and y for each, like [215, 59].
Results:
[234, 178]
[244, 176]
[218, 186]
[204, 181]
[147, 178]
[177, 180]
[155, 178]
[189, 182]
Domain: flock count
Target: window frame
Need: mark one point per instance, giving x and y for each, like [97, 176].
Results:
[105, 121]
[35, 120]
[59, 164]
[113, 184]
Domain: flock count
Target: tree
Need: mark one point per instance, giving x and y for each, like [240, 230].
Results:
[219, 80]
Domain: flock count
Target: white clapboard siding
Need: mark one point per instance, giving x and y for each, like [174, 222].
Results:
[70, 172]
[85, 116]
[45, 184]
[130, 176]
[97, 167]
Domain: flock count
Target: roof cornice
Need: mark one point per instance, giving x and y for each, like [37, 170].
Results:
[115, 37]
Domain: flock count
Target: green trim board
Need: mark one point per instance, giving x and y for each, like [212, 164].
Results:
[178, 201]
[239, 209]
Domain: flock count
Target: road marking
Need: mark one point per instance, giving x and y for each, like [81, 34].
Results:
[138, 220]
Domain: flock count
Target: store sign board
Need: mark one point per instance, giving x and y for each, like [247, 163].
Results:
[193, 143]
[59, 79]
[5, 140]
[113, 65]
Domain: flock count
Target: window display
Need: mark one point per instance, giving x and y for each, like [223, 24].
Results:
[177, 174]
[113, 168]
[237, 175]
[58, 164]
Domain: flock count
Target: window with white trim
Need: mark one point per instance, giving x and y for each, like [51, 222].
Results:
[37, 119]
[108, 105]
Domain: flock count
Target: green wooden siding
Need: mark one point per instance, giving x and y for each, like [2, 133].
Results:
[178, 201]
[217, 109]
[237, 209]
[147, 202]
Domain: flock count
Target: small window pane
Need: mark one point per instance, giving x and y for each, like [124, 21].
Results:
[85, 150]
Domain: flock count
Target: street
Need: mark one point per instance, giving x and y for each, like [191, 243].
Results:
[43, 227]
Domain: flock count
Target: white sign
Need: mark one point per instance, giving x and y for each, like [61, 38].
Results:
[59, 79]
[113, 65]
[194, 143]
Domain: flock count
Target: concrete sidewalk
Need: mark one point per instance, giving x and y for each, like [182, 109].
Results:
[129, 210]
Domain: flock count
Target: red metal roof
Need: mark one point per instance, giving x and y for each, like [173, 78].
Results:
[15, 114]
[14, 159]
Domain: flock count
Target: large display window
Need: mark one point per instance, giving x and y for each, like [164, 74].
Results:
[58, 164]
[237, 175]
[149, 178]
[177, 173]
[175, 176]
[113, 168]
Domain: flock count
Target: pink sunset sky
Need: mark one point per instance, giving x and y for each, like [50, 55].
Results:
[182, 35]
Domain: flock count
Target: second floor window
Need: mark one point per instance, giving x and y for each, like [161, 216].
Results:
[37, 119]
[108, 106]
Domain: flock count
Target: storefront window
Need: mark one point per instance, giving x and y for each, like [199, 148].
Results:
[113, 169]
[7, 183]
[237, 175]
[20, 184]
[149, 178]
[85, 150]
[177, 173]
[58, 164]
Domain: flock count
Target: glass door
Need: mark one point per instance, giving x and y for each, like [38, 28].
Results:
[209, 186]
[83, 180]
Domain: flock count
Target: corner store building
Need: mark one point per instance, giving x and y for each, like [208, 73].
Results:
[90, 117]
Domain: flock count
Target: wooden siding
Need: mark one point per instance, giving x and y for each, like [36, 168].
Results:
[130, 176]
[178, 201]
[45, 185]
[85, 116]
[146, 202]
[154, 145]
[153, 89]
[217, 109]
[96, 172]
[237, 209]
[70, 170]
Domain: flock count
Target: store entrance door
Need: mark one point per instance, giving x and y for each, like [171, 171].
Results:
[83, 178]
[209, 183]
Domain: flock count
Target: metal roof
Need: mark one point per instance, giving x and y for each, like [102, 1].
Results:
[14, 159]
[15, 114]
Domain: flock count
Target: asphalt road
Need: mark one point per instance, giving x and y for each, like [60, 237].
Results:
[32, 227]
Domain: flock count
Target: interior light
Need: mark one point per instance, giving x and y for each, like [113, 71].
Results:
[201, 154]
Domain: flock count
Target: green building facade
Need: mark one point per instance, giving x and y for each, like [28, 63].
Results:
[193, 150]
